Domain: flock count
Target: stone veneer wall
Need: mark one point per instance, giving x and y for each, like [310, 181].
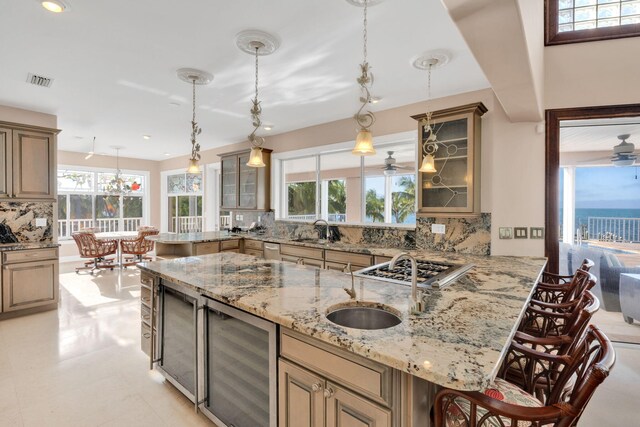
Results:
[20, 217]
[465, 235]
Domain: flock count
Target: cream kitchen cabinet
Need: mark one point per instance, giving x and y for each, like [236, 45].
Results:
[29, 279]
[28, 161]
[322, 386]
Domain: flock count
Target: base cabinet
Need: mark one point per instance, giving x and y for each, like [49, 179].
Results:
[29, 284]
[348, 409]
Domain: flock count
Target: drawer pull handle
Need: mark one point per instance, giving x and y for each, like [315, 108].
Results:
[316, 387]
[146, 316]
[328, 392]
[147, 335]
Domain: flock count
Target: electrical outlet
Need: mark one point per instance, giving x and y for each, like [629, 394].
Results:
[241, 217]
[238, 217]
[437, 228]
[536, 232]
[41, 222]
[506, 232]
[519, 232]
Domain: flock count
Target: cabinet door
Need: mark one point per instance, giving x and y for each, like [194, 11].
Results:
[229, 182]
[5, 163]
[301, 401]
[33, 165]
[247, 184]
[29, 284]
[346, 409]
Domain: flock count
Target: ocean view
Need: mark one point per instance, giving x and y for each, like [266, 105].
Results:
[582, 214]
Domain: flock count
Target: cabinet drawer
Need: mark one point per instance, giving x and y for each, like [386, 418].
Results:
[254, 252]
[253, 244]
[301, 251]
[347, 257]
[236, 250]
[31, 255]
[206, 248]
[379, 259]
[29, 284]
[145, 339]
[145, 296]
[307, 261]
[229, 244]
[359, 374]
[146, 280]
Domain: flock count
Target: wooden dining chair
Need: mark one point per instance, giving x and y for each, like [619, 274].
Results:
[136, 250]
[96, 250]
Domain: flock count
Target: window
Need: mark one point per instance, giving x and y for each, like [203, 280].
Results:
[85, 201]
[340, 187]
[570, 21]
[185, 203]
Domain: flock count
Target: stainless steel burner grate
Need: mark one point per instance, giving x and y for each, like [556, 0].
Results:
[430, 273]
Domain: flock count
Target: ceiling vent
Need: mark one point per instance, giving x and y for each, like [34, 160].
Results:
[34, 79]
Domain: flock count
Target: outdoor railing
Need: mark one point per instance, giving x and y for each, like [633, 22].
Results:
[332, 217]
[225, 221]
[188, 224]
[613, 229]
[66, 227]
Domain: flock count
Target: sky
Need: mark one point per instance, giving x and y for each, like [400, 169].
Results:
[608, 188]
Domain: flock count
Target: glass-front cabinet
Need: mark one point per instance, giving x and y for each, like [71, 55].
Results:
[244, 187]
[452, 137]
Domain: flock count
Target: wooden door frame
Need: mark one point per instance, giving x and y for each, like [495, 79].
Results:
[552, 164]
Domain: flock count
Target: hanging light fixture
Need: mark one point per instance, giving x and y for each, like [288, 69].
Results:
[195, 77]
[118, 185]
[257, 43]
[93, 150]
[364, 139]
[429, 138]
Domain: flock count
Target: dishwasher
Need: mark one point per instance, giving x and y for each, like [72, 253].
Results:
[272, 251]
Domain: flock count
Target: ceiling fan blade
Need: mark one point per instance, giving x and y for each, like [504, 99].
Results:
[597, 159]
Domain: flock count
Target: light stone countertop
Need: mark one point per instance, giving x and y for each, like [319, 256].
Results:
[207, 236]
[459, 342]
[5, 247]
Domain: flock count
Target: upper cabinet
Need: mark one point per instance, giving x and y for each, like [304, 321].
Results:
[244, 187]
[28, 159]
[454, 187]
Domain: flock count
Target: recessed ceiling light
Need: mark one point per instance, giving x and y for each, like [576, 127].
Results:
[375, 99]
[174, 104]
[55, 6]
[267, 127]
[146, 136]
[167, 154]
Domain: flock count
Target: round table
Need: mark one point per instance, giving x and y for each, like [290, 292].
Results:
[118, 236]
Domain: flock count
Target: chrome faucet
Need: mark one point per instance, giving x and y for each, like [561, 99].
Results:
[417, 305]
[327, 228]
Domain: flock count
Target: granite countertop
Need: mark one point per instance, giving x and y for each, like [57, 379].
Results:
[4, 247]
[208, 236]
[459, 342]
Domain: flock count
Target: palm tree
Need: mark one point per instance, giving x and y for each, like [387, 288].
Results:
[302, 198]
[337, 197]
[403, 202]
[374, 206]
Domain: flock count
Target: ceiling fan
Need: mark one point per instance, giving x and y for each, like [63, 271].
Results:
[624, 154]
[390, 167]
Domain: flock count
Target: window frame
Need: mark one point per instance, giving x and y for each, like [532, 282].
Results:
[280, 188]
[95, 193]
[166, 195]
[553, 37]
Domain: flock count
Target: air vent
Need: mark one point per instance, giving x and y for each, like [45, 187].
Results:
[39, 80]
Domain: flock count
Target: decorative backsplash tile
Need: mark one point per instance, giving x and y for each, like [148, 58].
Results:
[465, 235]
[19, 219]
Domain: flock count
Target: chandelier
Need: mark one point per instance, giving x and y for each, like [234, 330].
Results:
[257, 43]
[193, 76]
[364, 119]
[118, 185]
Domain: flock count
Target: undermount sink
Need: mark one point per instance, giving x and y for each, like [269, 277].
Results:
[363, 317]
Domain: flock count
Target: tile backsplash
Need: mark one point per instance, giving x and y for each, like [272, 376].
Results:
[20, 219]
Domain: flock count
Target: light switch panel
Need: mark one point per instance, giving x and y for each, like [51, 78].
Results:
[519, 232]
[41, 222]
[506, 233]
[536, 233]
[437, 228]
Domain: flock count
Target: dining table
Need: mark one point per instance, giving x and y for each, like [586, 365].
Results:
[118, 236]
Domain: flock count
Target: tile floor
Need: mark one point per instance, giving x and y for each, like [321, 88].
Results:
[82, 366]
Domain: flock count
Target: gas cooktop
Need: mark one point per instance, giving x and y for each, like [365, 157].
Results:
[430, 273]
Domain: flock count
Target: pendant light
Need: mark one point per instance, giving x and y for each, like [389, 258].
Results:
[257, 43]
[93, 150]
[195, 77]
[364, 139]
[430, 143]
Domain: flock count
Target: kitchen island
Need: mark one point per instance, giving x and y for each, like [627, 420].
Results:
[458, 342]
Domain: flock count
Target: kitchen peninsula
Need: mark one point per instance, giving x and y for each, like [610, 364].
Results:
[457, 342]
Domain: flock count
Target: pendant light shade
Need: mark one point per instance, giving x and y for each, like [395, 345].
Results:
[364, 144]
[255, 158]
[193, 166]
[428, 164]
